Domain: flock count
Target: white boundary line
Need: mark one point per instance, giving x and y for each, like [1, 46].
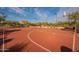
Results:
[37, 43]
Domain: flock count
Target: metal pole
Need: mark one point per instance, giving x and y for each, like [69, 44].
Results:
[74, 37]
[56, 18]
[3, 40]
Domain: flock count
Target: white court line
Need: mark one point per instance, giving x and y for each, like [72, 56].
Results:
[37, 43]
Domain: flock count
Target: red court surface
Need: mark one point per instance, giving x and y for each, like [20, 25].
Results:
[40, 40]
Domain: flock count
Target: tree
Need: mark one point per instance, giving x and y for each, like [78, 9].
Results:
[74, 17]
[2, 20]
[2, 17]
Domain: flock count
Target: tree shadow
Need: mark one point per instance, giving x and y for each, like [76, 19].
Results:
[65, 49]
[1, 41]
[1, 33]
[9, 31]
[17, 47]
[5, 41]
[77, 51]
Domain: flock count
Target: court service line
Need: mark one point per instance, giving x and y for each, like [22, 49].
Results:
[37, 43]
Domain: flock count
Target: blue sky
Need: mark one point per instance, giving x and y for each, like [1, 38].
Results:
[36, 14]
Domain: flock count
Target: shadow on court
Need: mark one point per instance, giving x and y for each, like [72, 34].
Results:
[5, 41]
[65, 49]
[10, 31]
[17, 47]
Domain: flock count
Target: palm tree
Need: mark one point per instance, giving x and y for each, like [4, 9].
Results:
[74, 17]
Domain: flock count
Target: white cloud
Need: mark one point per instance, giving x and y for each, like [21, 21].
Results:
[41, 15]
[19, 10]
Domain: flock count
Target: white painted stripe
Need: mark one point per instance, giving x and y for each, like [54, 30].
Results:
[37, 43]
